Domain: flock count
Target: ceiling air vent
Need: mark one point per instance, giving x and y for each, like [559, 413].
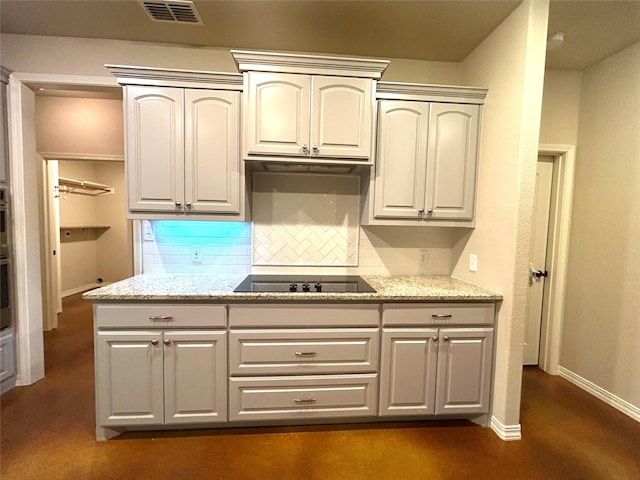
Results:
[181, 11]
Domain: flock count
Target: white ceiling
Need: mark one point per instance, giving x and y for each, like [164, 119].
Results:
[425, 30]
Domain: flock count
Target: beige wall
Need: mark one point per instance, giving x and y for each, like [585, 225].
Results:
[86, 254]
[510, 62]
[560, 107]
[601, 329]
[79, 126]
[64, 56]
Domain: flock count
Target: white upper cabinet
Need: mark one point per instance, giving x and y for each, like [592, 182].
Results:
[183, 150]
[308, 109]
[427, 154]
[182, 136]
[308, 116]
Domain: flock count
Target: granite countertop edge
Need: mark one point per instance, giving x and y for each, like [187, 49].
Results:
[219, 288]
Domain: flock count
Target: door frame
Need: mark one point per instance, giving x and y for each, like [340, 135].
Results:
[24, 173]
[558, 253]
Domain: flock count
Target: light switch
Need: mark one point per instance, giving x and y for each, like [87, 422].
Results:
[473, 262]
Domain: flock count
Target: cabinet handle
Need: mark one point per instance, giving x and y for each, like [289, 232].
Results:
[421, 212]
[430, 211]
[315, 150]
[434, 338]
[305, 354]
[304, 400]
[178, 204]
[154, 341]
[188, 205]
[445, 338]
[158, 318]
[167, 341]
[305, 150]
[441, 315]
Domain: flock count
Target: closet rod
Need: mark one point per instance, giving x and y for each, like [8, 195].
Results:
[70, 182]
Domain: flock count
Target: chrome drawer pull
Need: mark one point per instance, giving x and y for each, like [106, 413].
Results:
[156, 318]
[305, 354]
[441, 315]
[304, 400]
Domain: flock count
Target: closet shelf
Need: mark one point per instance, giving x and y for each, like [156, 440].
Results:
[84, 187]
[84, 227]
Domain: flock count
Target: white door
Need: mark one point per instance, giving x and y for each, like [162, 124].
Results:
[195, 376]
[452, 154]
[154, 148]
[212, 151]
[401, 163]
[342, 116]
[277, 114]
[408, 371]
[537, 259]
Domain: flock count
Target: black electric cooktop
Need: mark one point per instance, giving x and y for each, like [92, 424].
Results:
[304, 284]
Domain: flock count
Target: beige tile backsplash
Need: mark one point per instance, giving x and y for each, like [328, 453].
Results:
[302, 223]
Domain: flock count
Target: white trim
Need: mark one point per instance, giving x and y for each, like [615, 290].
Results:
[551, 335]
[28, 299]
[131, 75]
[600, 393]
[83, 288]
[430, 93]
[507, 433]
[81, 157]
[309, 64]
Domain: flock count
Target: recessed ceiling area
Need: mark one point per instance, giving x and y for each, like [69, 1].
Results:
[424, 30]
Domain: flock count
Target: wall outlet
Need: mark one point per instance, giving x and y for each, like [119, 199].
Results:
[473, 262]
[148, 232]
[196, 254]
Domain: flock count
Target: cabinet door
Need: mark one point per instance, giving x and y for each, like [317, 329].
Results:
[277, 115]
[452, 159]
[7, 356]
[212, 155]
[154, 148]
[408, 371]
[129, 378]
[399, 189]
[195, 377]
[342, 117]
[464, 370]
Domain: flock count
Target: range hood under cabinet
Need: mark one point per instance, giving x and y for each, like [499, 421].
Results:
[304, 109]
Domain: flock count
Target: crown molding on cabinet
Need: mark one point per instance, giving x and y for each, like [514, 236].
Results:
[166, 77]
[309, 64]
[433, 93]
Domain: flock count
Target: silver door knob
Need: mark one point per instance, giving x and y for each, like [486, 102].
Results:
[154, 341]
[188, 205]
[167, 341]
[445, 338]
[178, 204]
[315, 150]
[434, 338]
[305, 149]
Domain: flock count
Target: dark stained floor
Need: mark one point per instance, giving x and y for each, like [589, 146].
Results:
[47, 432]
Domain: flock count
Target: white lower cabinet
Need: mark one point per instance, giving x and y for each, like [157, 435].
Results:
[160, 377]
[435, 371]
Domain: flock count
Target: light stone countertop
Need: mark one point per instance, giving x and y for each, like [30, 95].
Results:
[219, 289]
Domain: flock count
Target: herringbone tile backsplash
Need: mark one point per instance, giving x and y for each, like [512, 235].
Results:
[305, 219]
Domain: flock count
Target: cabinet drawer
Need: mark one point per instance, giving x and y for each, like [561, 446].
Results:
[322, 396]
[421, 314]
[285, 352]
[338, 315]
[160, 315]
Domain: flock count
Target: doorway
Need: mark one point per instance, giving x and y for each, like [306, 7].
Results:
[559, 163]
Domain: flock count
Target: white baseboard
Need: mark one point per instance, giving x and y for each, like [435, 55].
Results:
[83, 288]
[600, 393]
[506, 432]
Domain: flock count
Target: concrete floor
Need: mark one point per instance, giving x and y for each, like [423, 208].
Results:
[47, 432]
